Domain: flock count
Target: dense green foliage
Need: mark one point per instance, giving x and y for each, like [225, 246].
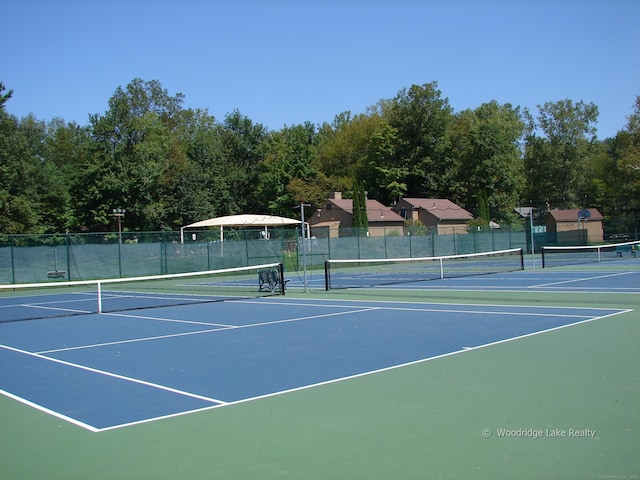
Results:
[169, 166]
[360, 219]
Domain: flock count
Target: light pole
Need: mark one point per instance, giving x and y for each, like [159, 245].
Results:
[533, 254]
[304, 254]
[119, 214]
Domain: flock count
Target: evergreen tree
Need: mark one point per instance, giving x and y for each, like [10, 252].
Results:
[360, 220]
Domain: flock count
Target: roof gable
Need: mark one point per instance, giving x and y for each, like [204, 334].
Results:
[440, 208]
[572, 214]
[376, 211]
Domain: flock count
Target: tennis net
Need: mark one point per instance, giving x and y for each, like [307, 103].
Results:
[576, 255]
[46, 300]
[377, 272]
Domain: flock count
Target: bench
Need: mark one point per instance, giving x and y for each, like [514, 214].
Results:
[269, 279]
[626, 248]
[57, 274]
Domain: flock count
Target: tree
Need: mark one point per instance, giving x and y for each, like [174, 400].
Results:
[289, 155]
[314, 190]
[360, 219]
[483, 207]
[4, 97]
[422, 119]
[343, 148]
[203, 190]
[135, 160]
[616, 175]
[633, 129]
[242, 144]
[486, 143]
[385, 179]
[558, 148]
[33, 193]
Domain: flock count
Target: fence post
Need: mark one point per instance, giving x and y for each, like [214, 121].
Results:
[13, 265]
[120, 257]
[208, 253]
[386, 255]
[433, 242]
[68, 241]
[246, 248]
[164, 267]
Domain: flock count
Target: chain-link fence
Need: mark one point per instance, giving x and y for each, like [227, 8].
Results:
[83, 256]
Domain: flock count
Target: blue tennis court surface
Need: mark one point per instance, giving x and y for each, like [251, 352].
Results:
[543, 281]
[116, 369]
[576, 280]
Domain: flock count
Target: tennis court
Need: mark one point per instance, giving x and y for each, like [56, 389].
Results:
[447, 377]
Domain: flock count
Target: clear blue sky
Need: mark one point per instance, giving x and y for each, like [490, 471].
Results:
[285, 62]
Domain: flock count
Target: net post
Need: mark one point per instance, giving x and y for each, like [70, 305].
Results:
[281, 275]
[99, 297]
[542, 252]
[521, 259]
[441, 269]
[327, 283]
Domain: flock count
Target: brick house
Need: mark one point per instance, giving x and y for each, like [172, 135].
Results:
[442, 214]
[574, 226]
[337, 213]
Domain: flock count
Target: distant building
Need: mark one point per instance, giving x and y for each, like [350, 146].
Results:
[444, 215]
[337, 213]
[574, 226]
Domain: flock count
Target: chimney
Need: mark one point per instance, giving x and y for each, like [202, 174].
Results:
[335, 195]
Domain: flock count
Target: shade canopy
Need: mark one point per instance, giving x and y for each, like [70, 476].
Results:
[245, 220]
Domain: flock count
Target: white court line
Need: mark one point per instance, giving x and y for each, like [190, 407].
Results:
[67, 310]
[460, 309]
[371, 372]
[361, 308]
[91, 428]
[53, 413]
[199, 332]
[44, 306]
[132, 340]
[162, 319]
[382, 304]
[584, 279]
[114, 375]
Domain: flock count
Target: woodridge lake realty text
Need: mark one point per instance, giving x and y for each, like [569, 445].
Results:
[544, 433]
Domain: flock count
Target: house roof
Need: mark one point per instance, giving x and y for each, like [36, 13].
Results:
[376, 212]
[572, 214]
[440, 208]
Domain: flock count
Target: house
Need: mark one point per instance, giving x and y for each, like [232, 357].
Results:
[574, 226]
[442, 214]
[337, 213]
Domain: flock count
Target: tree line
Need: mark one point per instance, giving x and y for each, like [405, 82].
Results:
[169, 166]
